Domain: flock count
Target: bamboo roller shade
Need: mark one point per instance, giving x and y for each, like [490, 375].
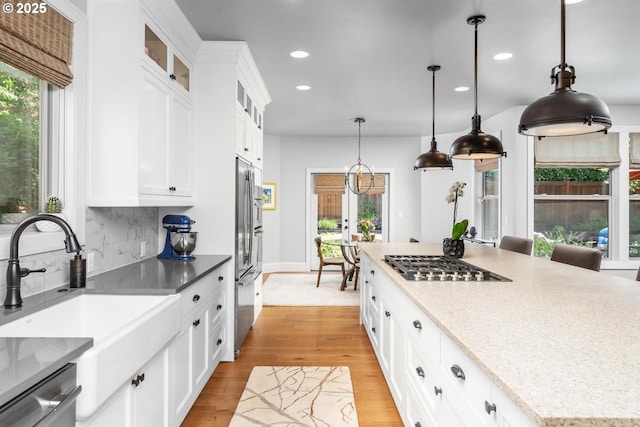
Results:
[333, 183]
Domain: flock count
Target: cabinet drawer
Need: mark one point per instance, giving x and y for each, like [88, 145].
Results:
[217, 341]
[417, 415]
[425, 333]
[195, 295]
[472, 385]
[373, 329]
[218, 305]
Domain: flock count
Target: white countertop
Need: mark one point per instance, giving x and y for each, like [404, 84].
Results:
[563, 342]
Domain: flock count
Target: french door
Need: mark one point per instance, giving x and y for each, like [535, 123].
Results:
[336, 212]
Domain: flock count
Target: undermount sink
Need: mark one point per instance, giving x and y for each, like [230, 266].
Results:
[127, 330]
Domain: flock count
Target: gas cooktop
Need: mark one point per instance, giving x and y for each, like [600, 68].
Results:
[439, 268]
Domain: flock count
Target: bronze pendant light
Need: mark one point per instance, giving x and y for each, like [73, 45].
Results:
[363, 176]
[433, 159]
[565, 111]
[476, 145]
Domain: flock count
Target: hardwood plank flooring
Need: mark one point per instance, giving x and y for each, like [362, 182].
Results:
[300, 336]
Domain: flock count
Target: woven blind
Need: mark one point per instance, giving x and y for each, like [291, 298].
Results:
[486, 165]
[634, 151]
[37, 43]
[329, 183]
[594, 150]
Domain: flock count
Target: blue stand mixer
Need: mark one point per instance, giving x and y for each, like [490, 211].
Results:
[180, 241]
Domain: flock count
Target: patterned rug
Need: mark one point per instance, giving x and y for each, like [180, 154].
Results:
[293, 289]
[287, 396]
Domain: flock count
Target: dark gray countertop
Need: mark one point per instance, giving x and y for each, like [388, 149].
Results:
[30, 360]
[27, 361]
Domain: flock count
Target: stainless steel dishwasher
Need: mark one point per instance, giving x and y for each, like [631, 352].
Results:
[50, 403]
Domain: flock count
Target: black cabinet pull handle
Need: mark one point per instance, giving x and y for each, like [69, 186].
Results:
[172, 76]
[219, 341]
[196, 298]
[489, 407]
[437, 390]
[457, 372]
[220, 278]
[386, 313]
[373, 330]
[219, 307]
[196, 322]
[373, 272]
[373, 298]
[417, 324]
[420, 371]
[137, 380]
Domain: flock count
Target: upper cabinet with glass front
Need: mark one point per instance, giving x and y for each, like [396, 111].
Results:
[141, 108]
[164, 58]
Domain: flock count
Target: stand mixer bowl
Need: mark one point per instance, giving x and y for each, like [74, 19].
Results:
[184, 242]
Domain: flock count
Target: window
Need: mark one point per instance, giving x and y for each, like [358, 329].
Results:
[571, 206]
[490, 202]
[21, 101]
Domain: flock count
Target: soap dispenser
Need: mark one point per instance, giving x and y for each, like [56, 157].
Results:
[78, 272]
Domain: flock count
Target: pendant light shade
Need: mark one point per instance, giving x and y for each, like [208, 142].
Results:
[433, 159]
[476, 145]
[565, 111]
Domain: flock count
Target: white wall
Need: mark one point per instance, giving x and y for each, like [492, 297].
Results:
[286, 160]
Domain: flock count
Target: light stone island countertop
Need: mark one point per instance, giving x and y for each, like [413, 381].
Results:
[562, 342]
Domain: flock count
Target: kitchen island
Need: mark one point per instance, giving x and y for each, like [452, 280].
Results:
[557, 345]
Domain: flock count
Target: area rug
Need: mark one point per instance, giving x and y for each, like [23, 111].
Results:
[300, 290]
[297, 396]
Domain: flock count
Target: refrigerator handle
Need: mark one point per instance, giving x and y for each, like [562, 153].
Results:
[251, 207]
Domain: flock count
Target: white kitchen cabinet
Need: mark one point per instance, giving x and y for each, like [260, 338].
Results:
[257, 303]
[143, 402]
[190, 351]
[248, 124]
[432, 381]
[141, 105]
[218, 332]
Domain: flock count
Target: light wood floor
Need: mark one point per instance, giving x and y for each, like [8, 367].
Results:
[295, 336]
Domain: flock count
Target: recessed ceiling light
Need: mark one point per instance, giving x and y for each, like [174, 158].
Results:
[462, 88]
[502, 56]
[299, 54]
[303, 87]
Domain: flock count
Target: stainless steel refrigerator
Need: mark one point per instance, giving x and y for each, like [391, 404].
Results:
[248, 251]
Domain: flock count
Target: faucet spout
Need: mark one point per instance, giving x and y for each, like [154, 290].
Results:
[13, 298]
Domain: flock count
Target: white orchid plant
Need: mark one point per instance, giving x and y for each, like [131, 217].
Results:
[457, 190]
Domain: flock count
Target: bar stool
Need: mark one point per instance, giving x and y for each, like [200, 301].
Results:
[516, 244]
[578, 256]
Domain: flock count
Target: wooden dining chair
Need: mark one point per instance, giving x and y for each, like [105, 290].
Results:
[577, 255]
[326, 261]
[516, 244]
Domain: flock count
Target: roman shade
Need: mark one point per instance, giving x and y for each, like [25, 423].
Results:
[378, 185]
[37, 43]
[634, 151]
[580, 151]
[486, 165]
[331, 183]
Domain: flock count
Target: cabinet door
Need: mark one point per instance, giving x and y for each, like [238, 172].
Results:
[151, 395]
[200, 343]
[240, 135]
[393, 347]
[154, 135]
[180, 148]
[117, 412]
[181, 384]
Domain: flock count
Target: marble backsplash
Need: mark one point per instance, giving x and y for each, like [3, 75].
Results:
[114, 235]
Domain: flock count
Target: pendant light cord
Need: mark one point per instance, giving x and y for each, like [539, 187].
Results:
[359, 125]
[563, 60]
[433, 105]
[475, 70]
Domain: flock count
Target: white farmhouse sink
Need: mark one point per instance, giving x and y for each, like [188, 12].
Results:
[127, 330]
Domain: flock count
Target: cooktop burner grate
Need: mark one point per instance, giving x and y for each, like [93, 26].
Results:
[439, 268]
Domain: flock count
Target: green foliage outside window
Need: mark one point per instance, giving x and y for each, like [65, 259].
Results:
[571, 174]
[19, 141]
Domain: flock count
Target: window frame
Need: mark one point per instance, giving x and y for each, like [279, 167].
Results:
[69, 166]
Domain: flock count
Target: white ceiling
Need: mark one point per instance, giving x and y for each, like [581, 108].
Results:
[369, 58]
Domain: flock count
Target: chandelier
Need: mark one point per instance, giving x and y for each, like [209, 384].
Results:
[362, 174]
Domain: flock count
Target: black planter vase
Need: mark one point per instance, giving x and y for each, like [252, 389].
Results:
[453, 247]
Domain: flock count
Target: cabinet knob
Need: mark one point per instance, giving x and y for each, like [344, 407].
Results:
[373, 330]
[196, 298]
[219, 307]
[489, 407]
[417, 324]
[420, 371]
[437, 390]
[220, 278]
[373, 298]
[219, 341]
[373, 272]
[196, 323]
[172, 76]
[387, 313]
[457, 372]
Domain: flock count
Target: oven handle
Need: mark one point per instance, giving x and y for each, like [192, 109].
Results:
[57, 405]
